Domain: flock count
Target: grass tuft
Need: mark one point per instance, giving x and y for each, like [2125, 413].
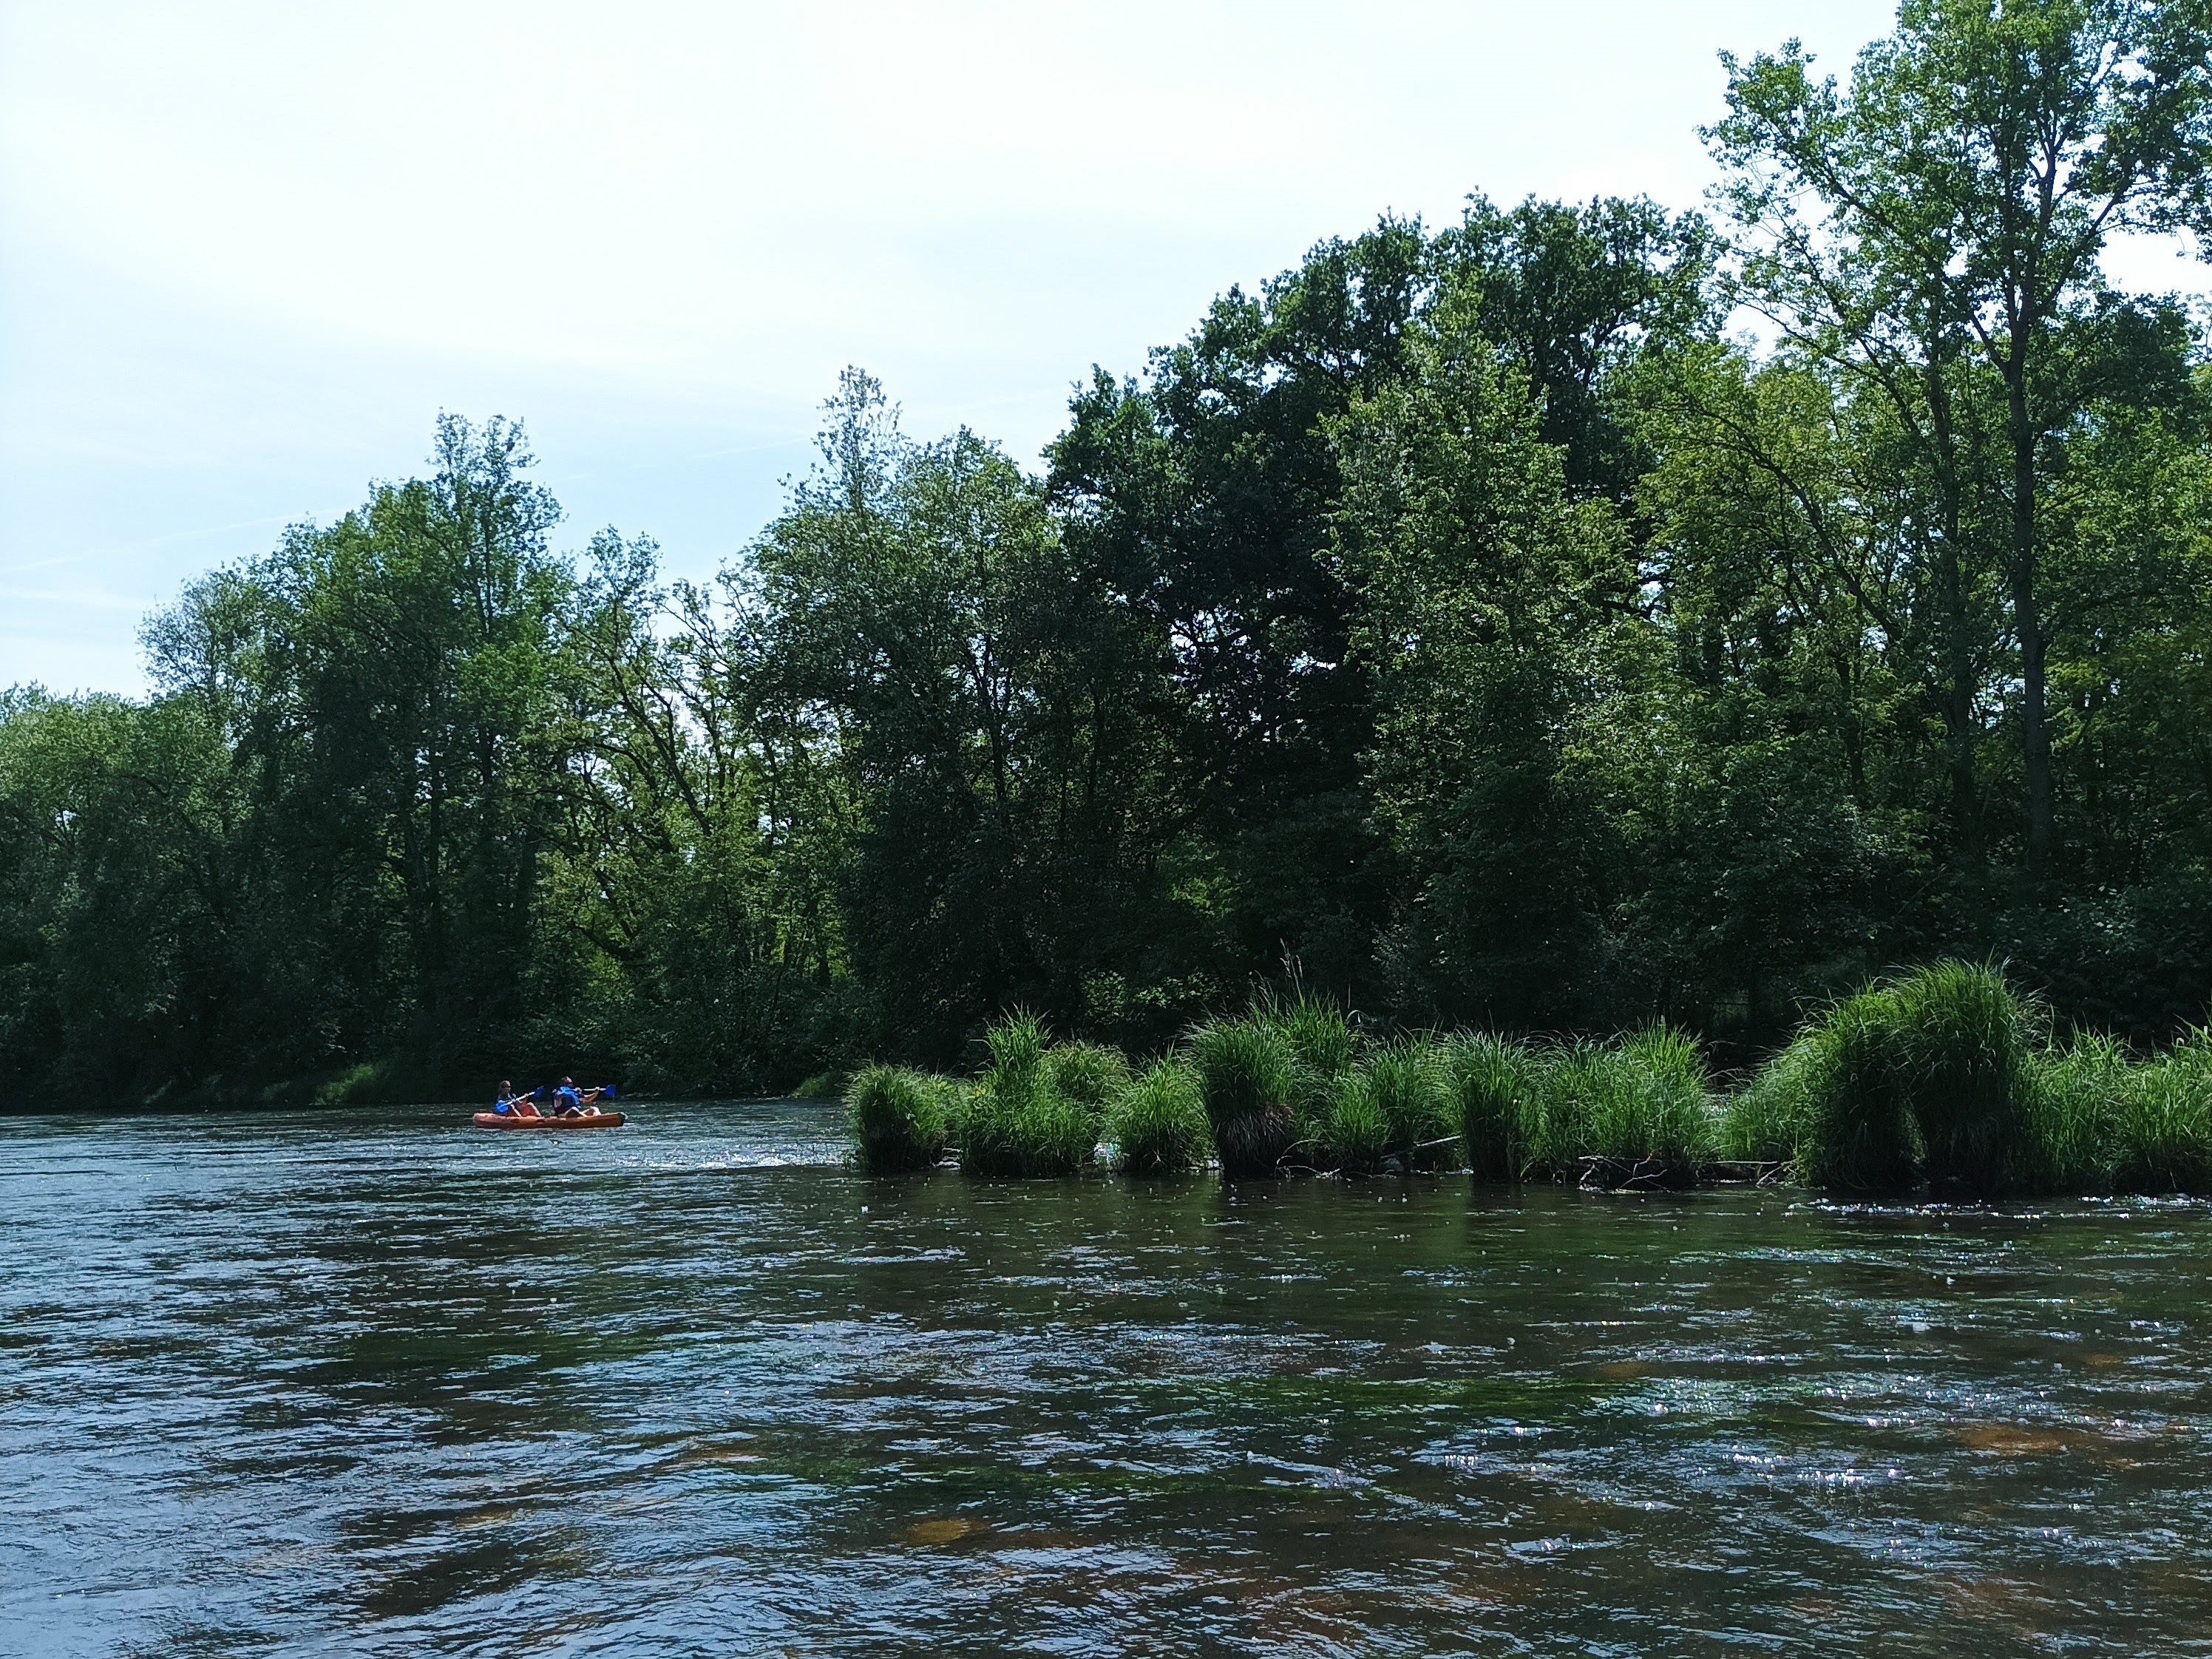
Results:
[1085, 1073]
[1158, 1123]
[1388, 1116]
[898, 1119]
[2162, 1124]
[1770, 1120]
[1930, 1077]
[1497, 1087]
[1017, 1123]
[1246, 1074]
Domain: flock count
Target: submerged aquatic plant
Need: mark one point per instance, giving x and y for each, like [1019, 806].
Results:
[1246, 1073]
[898, 1119]
[1157, 1121]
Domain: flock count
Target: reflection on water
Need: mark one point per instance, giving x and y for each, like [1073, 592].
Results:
[290, 1384]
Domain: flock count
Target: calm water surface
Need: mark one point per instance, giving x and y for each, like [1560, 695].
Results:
[292, 1385]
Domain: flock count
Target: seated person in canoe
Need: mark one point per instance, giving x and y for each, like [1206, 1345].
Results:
[517, 1105]
[570, 1101]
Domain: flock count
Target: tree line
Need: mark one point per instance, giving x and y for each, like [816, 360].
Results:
[1576, 615]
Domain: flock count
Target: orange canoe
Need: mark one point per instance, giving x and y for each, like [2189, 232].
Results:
[515, 1120]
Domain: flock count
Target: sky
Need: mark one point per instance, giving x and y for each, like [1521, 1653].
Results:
[248, 253]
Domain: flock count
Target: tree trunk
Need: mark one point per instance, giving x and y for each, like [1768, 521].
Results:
[2027, 622]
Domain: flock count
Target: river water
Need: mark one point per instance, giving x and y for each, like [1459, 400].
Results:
[301, 1385]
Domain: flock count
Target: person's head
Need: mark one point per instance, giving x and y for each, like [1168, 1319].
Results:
[505, 1087]
[568, 1082]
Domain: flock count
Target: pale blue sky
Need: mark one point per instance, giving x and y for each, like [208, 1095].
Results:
[247, 251]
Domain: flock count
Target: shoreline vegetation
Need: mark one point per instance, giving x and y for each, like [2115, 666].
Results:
[1473, 613]
[1944, 1080]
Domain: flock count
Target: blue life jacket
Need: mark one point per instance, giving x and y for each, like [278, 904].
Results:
[568, 1095]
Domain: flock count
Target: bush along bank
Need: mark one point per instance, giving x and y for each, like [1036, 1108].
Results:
[1943, 1080]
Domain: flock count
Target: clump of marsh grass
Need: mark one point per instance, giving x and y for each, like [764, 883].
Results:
[2162, 1122]
[1085, 1072]
[1323, 1049]
[1496, 1088]
[2077, 1097]
[1158, 1123]
[1769, 1120]
[1640, 1107]
[1392, 1112]
[1245, 1076]
[899, 1119]
[1357, 1133]
[823, 1085]
[1923, 1078]
[1016, 1122]
[1962, 1046]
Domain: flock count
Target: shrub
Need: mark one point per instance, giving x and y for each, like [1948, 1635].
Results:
[2162, 1122]
[1245, 1076]
[1497, 1087]
[823, 1085]
[1158, 1123]
[898, 1119]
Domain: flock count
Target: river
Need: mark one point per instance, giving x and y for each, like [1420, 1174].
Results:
[284, 1384]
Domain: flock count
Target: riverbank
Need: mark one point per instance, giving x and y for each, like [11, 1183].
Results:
[1944, 1079]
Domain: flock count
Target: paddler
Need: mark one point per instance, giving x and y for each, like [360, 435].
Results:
[518, 1105]
[570, 1102]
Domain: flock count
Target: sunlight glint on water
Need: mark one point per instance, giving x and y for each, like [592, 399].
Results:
[289, 1384]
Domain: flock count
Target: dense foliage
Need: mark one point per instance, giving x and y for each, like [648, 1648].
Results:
[1469, 618]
